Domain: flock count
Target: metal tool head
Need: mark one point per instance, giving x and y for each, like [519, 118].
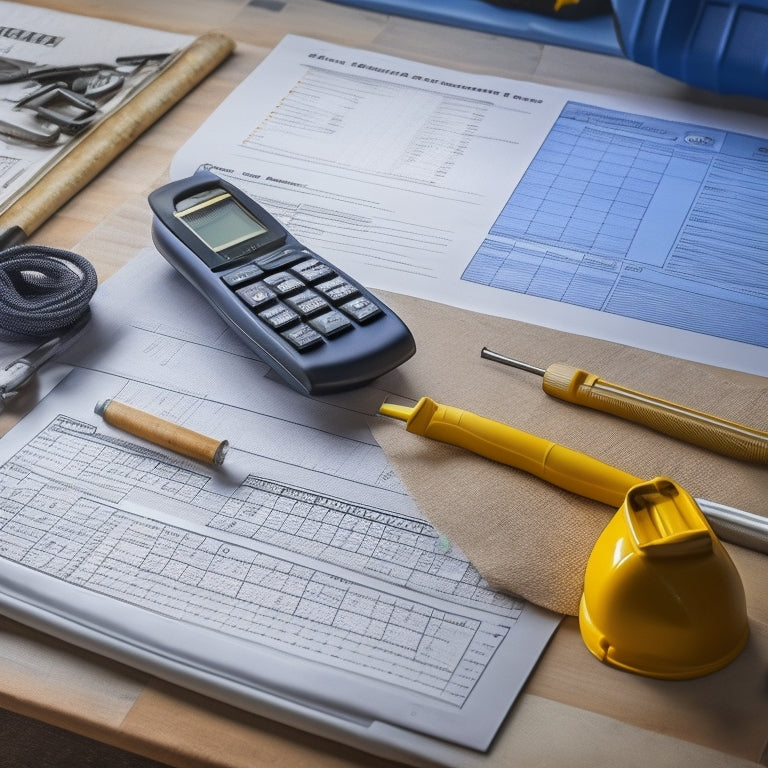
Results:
[33, 132]
[662, 598]
[70, 111]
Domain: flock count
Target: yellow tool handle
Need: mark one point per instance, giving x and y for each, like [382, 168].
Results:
[549, 461]
[725, 437]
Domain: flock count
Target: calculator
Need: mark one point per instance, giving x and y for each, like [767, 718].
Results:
[319, 329]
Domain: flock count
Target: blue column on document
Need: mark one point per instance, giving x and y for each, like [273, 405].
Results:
[667, 212]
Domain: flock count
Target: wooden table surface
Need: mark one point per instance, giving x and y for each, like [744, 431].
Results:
[574, 711]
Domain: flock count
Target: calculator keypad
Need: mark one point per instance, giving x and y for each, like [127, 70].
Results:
[361, 309]
[302, 298]
[279, 316]
[307, 303]
[302, 337]
[331, 323]
[256, 295]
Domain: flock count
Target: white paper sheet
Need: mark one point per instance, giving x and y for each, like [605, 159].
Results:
[632, 220]
[298, 580]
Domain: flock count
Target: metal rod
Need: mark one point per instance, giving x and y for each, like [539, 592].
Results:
[496, 357]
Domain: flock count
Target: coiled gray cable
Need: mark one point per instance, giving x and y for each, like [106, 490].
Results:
[43, 290]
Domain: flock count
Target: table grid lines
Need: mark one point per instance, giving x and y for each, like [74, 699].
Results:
[238, 589]
[641, 217]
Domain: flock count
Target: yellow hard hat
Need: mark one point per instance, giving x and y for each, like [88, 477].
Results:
[661, 595]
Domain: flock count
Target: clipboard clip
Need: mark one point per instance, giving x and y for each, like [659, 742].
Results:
[59, 105]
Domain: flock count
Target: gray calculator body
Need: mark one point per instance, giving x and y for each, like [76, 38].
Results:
[319, 329]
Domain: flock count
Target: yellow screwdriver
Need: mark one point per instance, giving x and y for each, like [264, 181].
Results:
[577, 386]
[574, 471]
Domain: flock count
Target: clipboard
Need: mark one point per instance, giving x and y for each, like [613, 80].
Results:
[110, 137]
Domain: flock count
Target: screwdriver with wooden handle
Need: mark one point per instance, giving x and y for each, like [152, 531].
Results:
[583, 388]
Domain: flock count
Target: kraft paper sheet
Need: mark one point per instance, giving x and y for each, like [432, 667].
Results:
[524, 535]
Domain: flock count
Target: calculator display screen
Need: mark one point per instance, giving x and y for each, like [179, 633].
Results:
[222, 223]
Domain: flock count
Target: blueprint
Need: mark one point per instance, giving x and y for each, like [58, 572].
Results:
[633, 220]
[298, 580]
[639, 217]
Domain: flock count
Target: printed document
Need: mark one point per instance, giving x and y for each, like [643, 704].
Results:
[634, 220]
[298, 580]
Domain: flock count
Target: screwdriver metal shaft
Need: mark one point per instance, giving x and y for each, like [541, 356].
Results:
[696, 427]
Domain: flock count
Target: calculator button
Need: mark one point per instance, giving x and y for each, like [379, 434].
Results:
[307, 303]
[246, 274]
[303, 337]
[282, 258]
[279, 316]
[361, 309]
[283, 283]
[313, 270]
[331, 323]
[337, 290]
[256, 295]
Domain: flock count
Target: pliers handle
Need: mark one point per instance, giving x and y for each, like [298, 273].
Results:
[17, 373]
